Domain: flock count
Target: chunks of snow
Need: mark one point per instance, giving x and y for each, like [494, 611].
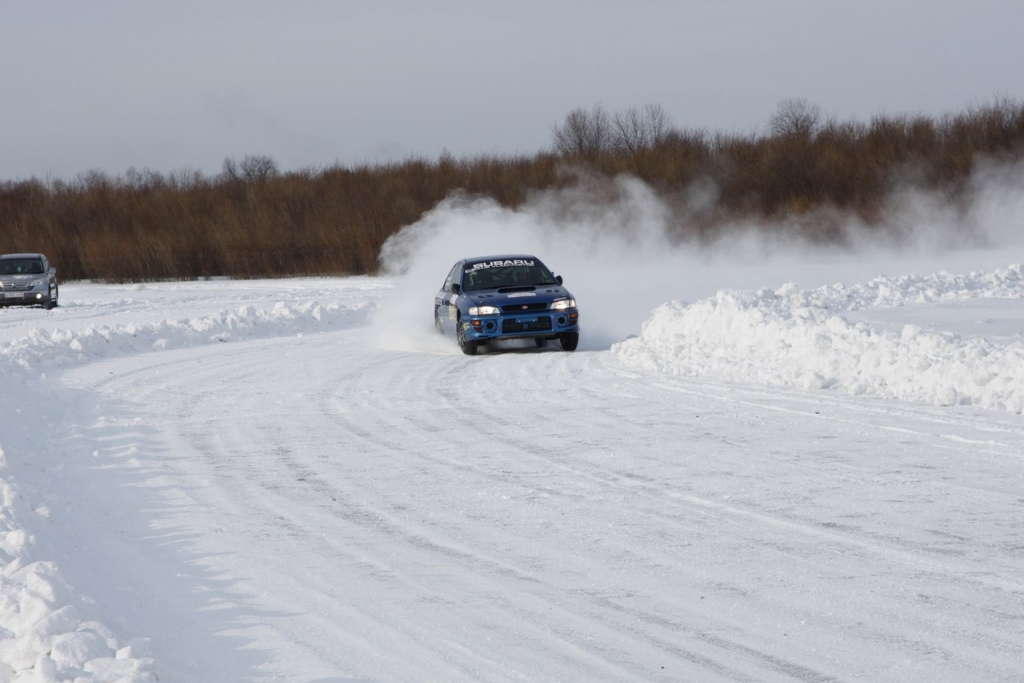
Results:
[808, 339]
[59, 347]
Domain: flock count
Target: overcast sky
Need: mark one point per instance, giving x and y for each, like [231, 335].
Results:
[168, 86]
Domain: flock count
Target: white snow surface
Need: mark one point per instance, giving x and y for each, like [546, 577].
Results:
[808, 339]
[288, 480]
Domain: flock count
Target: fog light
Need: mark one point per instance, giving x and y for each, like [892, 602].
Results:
[561, 320]
[489, 326]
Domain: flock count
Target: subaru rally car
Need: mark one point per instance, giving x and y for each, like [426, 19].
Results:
[27, 280]
[506, 297]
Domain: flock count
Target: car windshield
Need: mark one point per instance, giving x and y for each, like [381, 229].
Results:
[476, 277]
[21, 266]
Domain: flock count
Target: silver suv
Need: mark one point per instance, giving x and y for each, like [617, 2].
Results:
[27, 280]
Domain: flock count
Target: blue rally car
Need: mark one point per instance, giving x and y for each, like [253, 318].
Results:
[506, 297]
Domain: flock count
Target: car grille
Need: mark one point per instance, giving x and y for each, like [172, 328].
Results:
[15, 286]
[539, 325]
[515, 308]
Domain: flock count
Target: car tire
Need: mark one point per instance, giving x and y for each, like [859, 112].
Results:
[52, 303]
[569, 340]
[437, 324]
[468, 346]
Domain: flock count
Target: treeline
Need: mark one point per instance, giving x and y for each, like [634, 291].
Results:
[805, 162]
[252, 220]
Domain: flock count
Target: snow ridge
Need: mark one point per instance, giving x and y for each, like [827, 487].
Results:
[800, 338]
[46, 634]
[60, 347]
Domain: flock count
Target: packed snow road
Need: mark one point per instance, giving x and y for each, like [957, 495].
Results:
[273, 494]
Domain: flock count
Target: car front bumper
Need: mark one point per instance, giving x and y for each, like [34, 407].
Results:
[37, 296]
[545, 324]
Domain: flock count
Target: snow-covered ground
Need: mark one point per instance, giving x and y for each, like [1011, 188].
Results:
[842, 337]
[807, 466]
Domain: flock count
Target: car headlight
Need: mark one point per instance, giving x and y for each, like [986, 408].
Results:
[484, 310]
[563, 304]
[36, 283]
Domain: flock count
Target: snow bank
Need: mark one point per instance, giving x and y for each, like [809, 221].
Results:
[61, 347]
[46, 630]
[801, 338]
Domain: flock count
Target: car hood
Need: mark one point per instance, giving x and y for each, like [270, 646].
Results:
[509, 296]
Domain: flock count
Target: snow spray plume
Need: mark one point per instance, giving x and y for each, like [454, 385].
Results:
[985, 213]
[606, 238]
[610, 240]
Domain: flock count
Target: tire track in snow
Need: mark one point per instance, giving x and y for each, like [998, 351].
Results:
[526, 609]
[289, 506]
[623, 521]
[917, 557]
[449, 406]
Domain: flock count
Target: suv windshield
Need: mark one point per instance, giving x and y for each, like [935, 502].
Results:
[476, 278]
[21, 266]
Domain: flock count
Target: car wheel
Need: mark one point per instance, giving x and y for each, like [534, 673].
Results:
[52, 303]
[437, 324]
[468, 347]
[569, 340]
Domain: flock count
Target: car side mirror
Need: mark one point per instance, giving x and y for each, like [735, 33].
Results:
[455, 288]
[558, 279]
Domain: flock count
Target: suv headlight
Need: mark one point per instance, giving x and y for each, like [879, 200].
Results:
[563, 304]
[36, 283]
[484, 310]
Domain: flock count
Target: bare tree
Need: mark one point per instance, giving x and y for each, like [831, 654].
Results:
[629, 135]
[186, 179]
[659, 125]
[144, 180]
[795, 117]
[583, 133]
[636, 129]
[251, 169]
[258, 167]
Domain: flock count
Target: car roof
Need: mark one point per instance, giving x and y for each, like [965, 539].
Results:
[11, 256]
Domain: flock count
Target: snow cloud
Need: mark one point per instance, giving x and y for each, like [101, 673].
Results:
[609, 240]
[614, 242]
